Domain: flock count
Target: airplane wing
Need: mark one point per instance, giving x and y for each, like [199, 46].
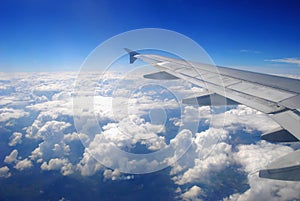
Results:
[279, 97]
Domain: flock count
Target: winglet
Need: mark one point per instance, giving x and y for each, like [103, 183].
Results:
[131, 54]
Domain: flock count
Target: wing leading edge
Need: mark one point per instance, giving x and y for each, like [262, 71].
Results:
[279, 97]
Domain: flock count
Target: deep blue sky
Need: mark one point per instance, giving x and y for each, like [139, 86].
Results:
[47, 35]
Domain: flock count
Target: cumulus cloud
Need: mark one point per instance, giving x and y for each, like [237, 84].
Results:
[7, 114]
[255, 157]
[4, 172]
[23, 164]
[12, 157]
[111, 174]
[203, 158]
[193, 168]
[62, 164]
[286, 60]
[16, 138]
[88, 165]
[134, 129]
[192, 194]
[47, 98]
[53, 145]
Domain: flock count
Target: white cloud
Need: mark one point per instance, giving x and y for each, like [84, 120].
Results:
[250, 51]
[286, 60]
[255, 157]
[53, 145]
[134, 129]
[76, 136]
[203, 158]
[4, 172]
[88, 165]
[16, 138]
[7, 114]
[49, 128]
[192, 194]
[194, 169]
[12, 157]
[23, 164]
[62, 164]
[49, 95]
[113, 175]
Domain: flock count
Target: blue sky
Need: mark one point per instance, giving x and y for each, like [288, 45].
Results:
[52, 35]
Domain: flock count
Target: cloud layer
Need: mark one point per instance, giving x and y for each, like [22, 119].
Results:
[286, 60]
[37, 116]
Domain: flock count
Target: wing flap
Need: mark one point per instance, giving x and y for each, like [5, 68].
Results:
[209, 99]
[261, 91]
[292, 103]
[289, 120]
[162, 75]
[284, 168]
[279, 135]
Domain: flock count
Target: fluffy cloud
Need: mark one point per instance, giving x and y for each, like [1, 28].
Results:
[193, 168]
[255, 157]
[47, 99]
[12, 157]
[15, 139]
[203, 158]
[7, 114]
[23, 164]
[113, 175]
[192, 194]
[47, 129]
[65, 167]
[53, 145]
[88, 165]
[4, 172]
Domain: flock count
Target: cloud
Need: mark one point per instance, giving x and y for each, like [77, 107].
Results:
[193, 168]
[70, 137]
[257, 156]
[12, 157]
[202, 159]
[16, 138]
[88, 165]
[65, 167]
[23, 164]
[286, 60]
[53, 144]
[192, 194]
[254, 157]
[250, 51]
[4, 172]
[47, 129]
[47, 97]
[111, 174]
[7, 114]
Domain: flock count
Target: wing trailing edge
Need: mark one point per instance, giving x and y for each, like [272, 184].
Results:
[284, 168]
[162, 75]
[209, 99]
[279, 135]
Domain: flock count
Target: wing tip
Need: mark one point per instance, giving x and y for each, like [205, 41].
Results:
[131, 55]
